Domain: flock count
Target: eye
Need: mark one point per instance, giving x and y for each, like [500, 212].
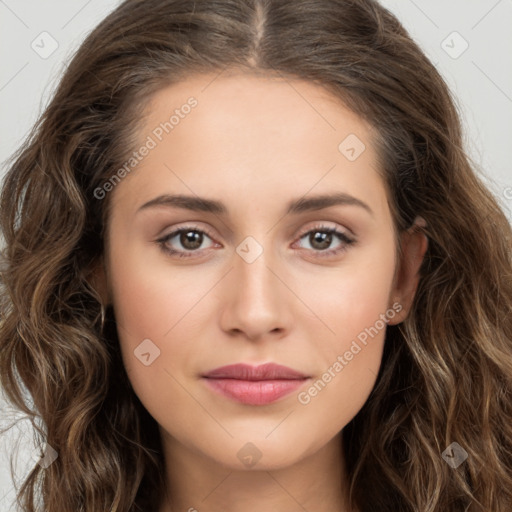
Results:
[320, 238]
[190, 238]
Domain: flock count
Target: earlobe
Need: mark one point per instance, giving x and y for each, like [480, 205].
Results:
[414, 245]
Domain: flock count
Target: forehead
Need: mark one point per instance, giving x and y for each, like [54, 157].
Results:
[252, 137]
[249, 101]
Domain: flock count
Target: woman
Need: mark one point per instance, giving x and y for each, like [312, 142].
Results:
[183, 348]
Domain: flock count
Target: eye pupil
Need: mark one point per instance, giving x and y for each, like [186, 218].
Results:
[324, 239]
[191, 239]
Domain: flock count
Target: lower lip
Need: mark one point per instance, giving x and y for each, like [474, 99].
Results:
[254, 392]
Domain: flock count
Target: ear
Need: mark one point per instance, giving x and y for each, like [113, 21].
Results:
[414, 244]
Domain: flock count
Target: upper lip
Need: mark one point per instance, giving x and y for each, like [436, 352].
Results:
[268, 371]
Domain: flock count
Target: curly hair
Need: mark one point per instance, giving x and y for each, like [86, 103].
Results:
[446, 374]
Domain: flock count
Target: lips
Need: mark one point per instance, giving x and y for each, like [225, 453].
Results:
[269, 371]
[254, 385]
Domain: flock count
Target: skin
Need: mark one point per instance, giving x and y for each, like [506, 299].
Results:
[254, 143]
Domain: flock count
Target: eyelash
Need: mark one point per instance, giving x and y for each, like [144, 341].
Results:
[344, 238]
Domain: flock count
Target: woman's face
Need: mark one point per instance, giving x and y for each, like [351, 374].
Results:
[257, 279]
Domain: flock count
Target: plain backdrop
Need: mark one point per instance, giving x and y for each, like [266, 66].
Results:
[470, 42]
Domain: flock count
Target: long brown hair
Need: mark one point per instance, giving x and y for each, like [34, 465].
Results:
[446, 374]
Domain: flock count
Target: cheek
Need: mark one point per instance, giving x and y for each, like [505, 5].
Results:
[356, 309]
[363, 298]
[151, 302]
[352, 298]
[151, 306]
[151, 296]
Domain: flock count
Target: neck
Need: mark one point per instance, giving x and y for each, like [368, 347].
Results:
[198, 483]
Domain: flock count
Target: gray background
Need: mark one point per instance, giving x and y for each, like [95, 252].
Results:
[480, 77]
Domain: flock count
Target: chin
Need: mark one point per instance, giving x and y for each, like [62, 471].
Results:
[259, 454]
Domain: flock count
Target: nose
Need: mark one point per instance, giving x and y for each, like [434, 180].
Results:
[256, 300]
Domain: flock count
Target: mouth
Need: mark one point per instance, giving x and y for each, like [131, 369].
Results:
[254, 385]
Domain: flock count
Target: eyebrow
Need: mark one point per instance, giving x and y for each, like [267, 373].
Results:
[303, 204]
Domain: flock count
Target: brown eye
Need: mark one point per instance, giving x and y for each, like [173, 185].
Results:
[190, 240]
[182, 241]
[321, 238]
